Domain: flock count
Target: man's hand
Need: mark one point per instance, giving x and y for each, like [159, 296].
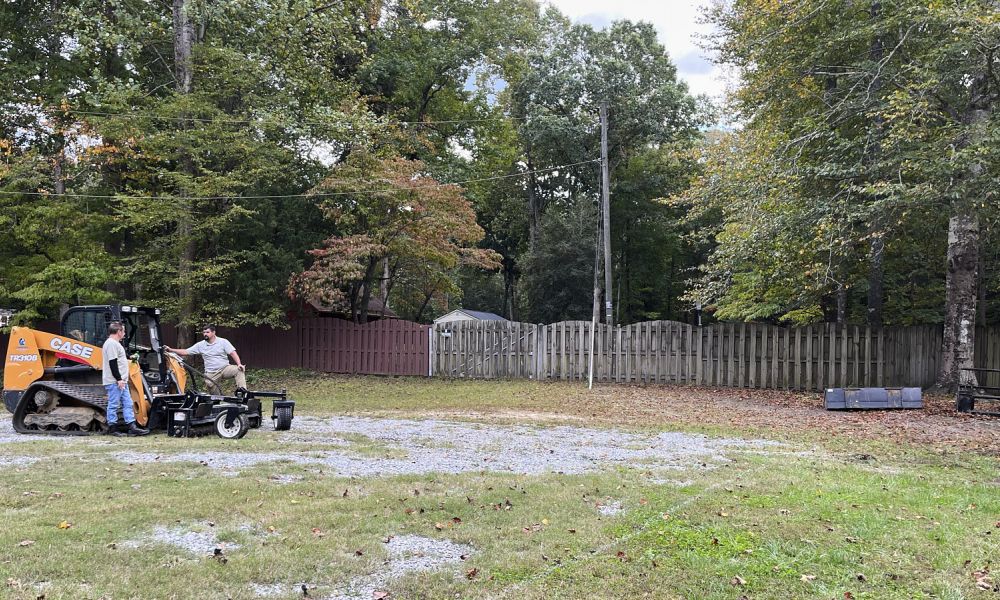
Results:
[242, 368]
[121, 384]
[168, 348]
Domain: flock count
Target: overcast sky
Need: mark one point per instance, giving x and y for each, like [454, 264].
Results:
[675, 20]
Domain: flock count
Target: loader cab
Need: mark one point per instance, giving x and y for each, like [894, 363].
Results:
[143, 340]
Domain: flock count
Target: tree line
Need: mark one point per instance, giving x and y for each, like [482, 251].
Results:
[228, 160]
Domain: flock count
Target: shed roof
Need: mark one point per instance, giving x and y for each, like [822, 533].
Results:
[475, 314]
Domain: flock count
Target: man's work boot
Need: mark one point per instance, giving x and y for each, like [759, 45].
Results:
[135, 430]
[114, 429]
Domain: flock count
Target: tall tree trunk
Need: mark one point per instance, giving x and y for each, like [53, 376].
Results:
[508, 288]
[875, 276]
[983, 278]
[423, 306]
[841, 304]
[366, 292]
[383, 283]
[183, 39]
[960, 298]
[958, 345]
[876, 53]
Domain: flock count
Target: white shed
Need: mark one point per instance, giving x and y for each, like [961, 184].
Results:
[464, 314]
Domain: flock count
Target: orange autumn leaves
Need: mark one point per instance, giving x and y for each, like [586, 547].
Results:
[389, 209]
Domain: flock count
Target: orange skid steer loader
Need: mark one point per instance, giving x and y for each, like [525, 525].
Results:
[52, 383]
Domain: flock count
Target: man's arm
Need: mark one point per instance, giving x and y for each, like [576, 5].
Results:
[236, 359]
[177, 351]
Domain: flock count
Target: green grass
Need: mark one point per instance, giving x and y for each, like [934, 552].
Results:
[913, 522]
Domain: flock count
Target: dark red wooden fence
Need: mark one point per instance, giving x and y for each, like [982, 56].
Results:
[385, 347]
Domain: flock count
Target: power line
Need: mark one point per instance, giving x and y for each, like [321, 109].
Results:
[305, 195]
[263, 121]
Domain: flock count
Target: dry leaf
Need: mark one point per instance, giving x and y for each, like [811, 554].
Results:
[471, 573]
[379, 595]
[25, 543]
[65, 525]
[737, 580]
[807, 578]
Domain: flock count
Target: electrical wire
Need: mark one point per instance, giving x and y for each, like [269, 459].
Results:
[265, 121]
[304, 195]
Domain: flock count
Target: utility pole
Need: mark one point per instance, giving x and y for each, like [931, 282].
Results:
[595, 316]
[606, 213]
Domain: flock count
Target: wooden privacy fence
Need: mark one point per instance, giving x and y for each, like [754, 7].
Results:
[722, 354]
[725, 354]
[385, 347]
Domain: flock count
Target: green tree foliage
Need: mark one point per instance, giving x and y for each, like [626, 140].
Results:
[653, 122]
[389, 215]
[876, 118]
[558, 271]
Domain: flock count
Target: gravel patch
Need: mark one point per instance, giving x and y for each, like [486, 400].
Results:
[196, 538]
[673, 482]
[434, 446]
[285, 478]
[266, 590]
[9, 436]
[407, 554]
[610, 509]
[17, 461]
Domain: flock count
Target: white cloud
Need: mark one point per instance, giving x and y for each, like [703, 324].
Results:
[677, 23]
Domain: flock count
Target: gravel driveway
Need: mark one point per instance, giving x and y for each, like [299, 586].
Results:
[414, 447]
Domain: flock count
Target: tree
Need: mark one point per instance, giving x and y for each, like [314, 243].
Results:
[557, 271]
[876, 115]
[388, 209]
[557, 93]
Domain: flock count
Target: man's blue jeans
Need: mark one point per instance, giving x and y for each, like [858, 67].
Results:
[118, 397]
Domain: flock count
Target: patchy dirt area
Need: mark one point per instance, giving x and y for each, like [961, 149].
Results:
[405, 554]
[413, 446]
[938, 424]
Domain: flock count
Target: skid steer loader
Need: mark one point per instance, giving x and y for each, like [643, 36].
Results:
[52, 382]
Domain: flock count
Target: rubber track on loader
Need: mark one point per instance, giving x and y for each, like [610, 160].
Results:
[91, 396]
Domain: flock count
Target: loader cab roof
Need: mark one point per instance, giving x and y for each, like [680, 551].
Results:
[89, 324]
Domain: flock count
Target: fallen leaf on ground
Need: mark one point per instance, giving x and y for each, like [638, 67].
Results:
[807, 578]
[471, 573]
[737, 580]
[65, 525]
[24, 543]
[379, 595]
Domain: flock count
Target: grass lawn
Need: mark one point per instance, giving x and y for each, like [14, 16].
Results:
[848, 505]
